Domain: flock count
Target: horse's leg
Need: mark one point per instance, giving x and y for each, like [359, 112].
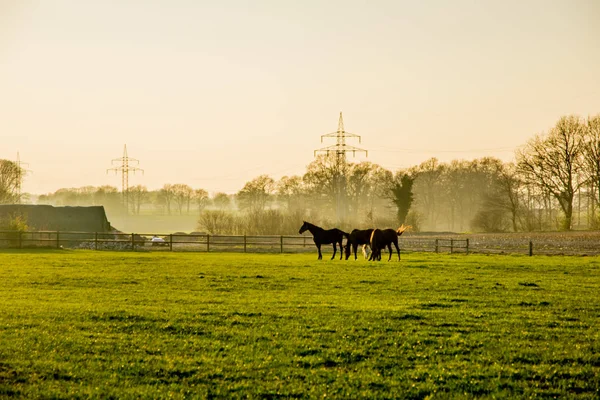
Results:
[354, 248]
[319, 248]
[389, 246]
[397, 249]
[334, 250]
[373, 254]
[341, 252]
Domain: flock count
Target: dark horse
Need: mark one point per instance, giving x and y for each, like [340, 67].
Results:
[380, 239]
[357, 237]
[322, 236]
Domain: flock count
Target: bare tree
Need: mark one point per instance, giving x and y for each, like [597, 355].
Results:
[138, 195]
[591, 156]
[291, 192]
[256, 194]
[552, 162]
[201, 198]
[10, 174]
[428, 190]
[166, 195]
[182, 196]
[222, 201]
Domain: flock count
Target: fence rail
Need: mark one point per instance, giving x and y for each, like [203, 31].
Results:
[264, 243]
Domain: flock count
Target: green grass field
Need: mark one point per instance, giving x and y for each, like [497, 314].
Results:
[81, 324]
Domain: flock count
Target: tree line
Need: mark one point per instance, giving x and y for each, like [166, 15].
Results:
[553, 184]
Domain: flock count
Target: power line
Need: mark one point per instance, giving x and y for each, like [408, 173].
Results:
[340, 149]
[20, 172]
[127, 165]
[495, 149]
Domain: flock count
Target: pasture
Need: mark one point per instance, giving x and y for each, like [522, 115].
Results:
[79, 324]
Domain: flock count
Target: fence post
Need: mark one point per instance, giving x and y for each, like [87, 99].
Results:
[467, 245]
[281, 244]
[96, 241]
[244, 243]
[132, 242]
[437, 247]
[57, 239]
[170, 242]
[530, 248]
[304, 245]
[451, 246]
[208, 243]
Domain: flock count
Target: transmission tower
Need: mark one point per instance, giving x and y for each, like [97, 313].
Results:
[20, 172]
[128, 165]
[340, 148]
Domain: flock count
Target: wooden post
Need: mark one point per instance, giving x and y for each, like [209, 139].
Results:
[207, 243]
[96, 241]
[437, 247]
[530, 248]
[57, 239]
[281, 244]
[132, 242]
[304, 245]
[170, 242]
[451, 246]
[244, 243]
[467, 245]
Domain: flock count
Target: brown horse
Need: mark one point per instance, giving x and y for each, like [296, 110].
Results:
[380, 239]
[357, 237]
[322, 236]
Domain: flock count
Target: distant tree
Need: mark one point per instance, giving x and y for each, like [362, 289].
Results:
[402, 195]
[591, 154]
[10, 176]
[428, 190]
[553, 162]
[201, 199]
[291, 192]
[367, 190]
[509, 193]
[256, 194]
[222, 201]
[323, 179]
[216, 222]
[138, 195]
[165, 196]
[182, 196]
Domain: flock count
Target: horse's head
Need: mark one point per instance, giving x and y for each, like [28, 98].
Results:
[303, 228]
[347, 249]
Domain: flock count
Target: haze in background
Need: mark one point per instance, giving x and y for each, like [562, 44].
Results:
[212, 94]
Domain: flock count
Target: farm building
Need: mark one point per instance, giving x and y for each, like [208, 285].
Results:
[50, 218]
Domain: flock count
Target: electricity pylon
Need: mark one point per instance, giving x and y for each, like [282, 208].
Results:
[20, 172]
[340, 149]
[128, 165]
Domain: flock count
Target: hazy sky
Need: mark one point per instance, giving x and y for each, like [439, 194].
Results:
[214, 93]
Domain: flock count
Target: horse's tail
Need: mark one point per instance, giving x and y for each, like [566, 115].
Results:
[375, 239]
[402, 229]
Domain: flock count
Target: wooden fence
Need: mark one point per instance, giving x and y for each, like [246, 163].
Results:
[198, 242]
[270, 243]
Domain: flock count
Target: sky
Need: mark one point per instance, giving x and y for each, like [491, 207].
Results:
[215, 93]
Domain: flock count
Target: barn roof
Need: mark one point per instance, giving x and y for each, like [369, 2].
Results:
[50, 218]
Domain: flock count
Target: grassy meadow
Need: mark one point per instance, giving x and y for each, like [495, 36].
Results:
[84, 324]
